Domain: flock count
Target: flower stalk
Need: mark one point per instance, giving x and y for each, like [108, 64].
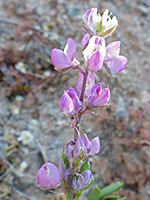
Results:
[79, 114]
[74, 174]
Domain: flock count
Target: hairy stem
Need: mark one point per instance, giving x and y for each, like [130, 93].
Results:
[79, 114]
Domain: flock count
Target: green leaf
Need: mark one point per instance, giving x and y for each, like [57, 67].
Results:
[95, 195]
[66, 160]
[77, 162]
[111, 188]
[85, 166]
[111, 198]
[123, 198]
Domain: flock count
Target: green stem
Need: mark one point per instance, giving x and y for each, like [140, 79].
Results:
[77, 197]
[70, 195]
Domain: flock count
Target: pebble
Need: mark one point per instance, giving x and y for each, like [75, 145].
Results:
[144, 10]
[23, 166]
[20, 66]
[73, 11]
[4, 111]
[26, 137]
[15, 110]
[121, 111]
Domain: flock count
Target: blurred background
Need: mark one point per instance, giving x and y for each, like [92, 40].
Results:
[32, 129]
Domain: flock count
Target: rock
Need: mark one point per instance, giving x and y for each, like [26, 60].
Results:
[23, 165]
[121, 111]
[1, 130]
[143, 9]
[33, 125]
[14, 109]
[73, 11]
[25, 137]
[4, 111]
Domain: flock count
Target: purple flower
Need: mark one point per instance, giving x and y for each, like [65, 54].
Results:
[95, 24]
[63, 60]
[85, 40]
[70, 102]
[78, 148]
[98, 97]
[75, 149]
[48, 176]
[95, 52]
[64, 173]
[90, 20]
[70, 149]
[87, 142]
[89, 84]
[62, 168]
[82, 180]
[113, 61]
[93, 147]
[83, 146]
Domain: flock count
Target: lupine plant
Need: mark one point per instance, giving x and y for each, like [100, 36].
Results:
[74, 175]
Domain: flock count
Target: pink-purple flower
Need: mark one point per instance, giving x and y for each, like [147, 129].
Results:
[75, 149]
[99, 97]
[89, 84]
[48, 176]
[92, 147]
[62, 168]
[90, 20]
[95, 52]
[70, 149]
[64, 175]
[81, 181]
[63, 60]
[83, 146]
[70, 102]
[113, 61]
[85, 40]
